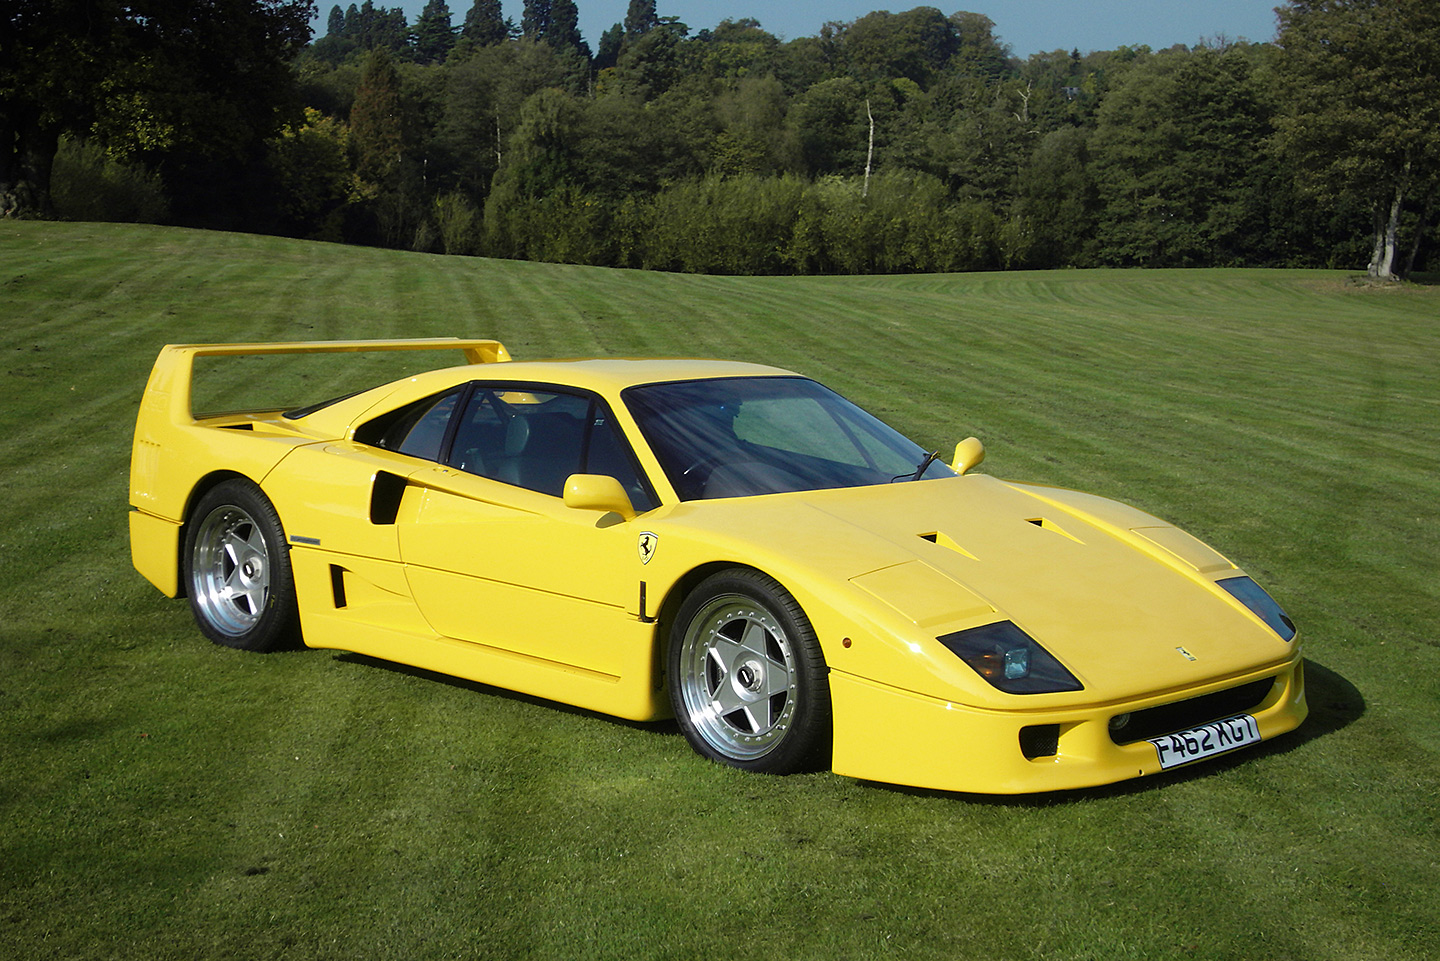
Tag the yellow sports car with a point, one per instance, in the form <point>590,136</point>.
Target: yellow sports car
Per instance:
<point>734,545</point>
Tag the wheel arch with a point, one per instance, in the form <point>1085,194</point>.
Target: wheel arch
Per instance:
<point>817,606</point>
<point>813,751</point>
<point>201,487</point>
<point>675,597</point>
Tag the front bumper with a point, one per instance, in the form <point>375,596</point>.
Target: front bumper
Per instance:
<point>886,734</point>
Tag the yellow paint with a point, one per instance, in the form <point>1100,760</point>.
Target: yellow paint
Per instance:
<point>424,564</point>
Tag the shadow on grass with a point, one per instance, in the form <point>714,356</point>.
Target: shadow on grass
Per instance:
<point>1419,278</point>
<point>1334,704</point>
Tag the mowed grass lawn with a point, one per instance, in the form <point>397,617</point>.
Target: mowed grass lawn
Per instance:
<point>161,797</point>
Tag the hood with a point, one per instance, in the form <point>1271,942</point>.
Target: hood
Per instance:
<point>1127,602</point>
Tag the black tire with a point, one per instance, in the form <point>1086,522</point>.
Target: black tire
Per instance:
<point>747,678</point>
<point>237,570</point>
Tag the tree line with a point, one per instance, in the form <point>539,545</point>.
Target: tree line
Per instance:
<point>912,141</point>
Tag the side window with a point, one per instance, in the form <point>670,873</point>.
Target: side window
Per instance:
<point>417,430</point>
<point>608,453</point>
<point>536,439</point>
<point>532,439</point>
<point>480,435</point>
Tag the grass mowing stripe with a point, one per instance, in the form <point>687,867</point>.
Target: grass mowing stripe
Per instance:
<point>1284,415</point>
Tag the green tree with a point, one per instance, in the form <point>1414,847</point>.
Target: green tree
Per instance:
<point>564,30</point>
<point>612,41</point>
<point>376,131</point>
<point>734,49</point>
<point>459,222</point>
<point>52,60</point>
<point>652,63</point>
<point>312,168</point>
<point>738,225</point>
<point>481,103</point>
<point>640,18</point>
<point>831,127</point>
<point>1177,151</point>
<point>978,137</point>
<point>917,44</point>
<point>370,27</point>
<point>621,147</point>
<point>153,80</point>
<point>978,53</point>
<point>754,137</point>
<point>434,33</point>
<point>89,184</point>
<point>535,20</point>
<point>540,168</point>
<point>545,145</point>
<point>1361,118</point>
<point>337,44</point>
<point>1056,201</point>
<point>485,24</point>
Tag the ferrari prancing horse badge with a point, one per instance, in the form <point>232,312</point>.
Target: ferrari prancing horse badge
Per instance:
<point>647,545</point>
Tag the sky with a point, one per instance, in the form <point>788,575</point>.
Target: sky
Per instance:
<point>1028,26</point>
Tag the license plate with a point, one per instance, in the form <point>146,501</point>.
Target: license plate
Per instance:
<point>1208,740</point>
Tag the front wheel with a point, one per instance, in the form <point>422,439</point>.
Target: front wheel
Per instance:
<point>747,678</point>
<point>237,569</point>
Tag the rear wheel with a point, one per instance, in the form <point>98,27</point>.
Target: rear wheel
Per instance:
<point>747,678</point>
<point>237,569</point>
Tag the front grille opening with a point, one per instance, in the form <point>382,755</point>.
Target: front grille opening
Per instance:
<point>1040,740</point>
<point>1182,715</point>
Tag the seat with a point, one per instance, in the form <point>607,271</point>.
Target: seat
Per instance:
<point>541,451</point>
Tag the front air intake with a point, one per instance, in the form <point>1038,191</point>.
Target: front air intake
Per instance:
<point>1183,715</point>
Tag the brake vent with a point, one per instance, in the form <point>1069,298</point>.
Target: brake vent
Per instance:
<point>948,543</point>
<point>1040,740</point>
<point>1046,524</point>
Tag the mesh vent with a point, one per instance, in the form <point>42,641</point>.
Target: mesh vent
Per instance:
<point>1182,715</point>
<point>1040,740</point>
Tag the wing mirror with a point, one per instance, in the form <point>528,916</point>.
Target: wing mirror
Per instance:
<point>968,453</point>
<point>597,492</point>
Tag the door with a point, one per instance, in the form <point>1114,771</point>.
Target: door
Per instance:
<point>492,554</point>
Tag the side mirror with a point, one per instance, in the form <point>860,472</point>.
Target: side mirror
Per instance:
<point>597,492</point>
<point>968,453</point>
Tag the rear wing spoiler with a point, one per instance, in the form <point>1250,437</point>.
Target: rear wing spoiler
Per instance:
<point>171,379</point>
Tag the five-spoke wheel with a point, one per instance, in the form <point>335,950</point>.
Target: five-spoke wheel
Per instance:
<point>747,678</point>
<point>238,569</point>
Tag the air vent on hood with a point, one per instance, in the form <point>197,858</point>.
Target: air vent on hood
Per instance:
<point>948,543</point>
<point>1046,524</point>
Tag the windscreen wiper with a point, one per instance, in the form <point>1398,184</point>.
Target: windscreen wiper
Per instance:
<point>919,472</point>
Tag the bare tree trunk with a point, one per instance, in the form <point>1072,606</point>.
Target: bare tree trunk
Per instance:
<point>870,153</point>
<point>1382,259</point>
<point>1377,246</point>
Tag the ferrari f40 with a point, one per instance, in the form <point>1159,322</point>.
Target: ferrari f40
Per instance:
<point>730,544</point>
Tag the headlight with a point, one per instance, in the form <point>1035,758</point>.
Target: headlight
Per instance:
<point>1011,660</point>
<point>1261,604</point>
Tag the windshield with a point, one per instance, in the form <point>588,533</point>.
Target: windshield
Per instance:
<point>739,436</point>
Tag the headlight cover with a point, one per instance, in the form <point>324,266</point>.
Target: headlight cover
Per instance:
<point>1261,604</point>
<point>1011,660</point>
